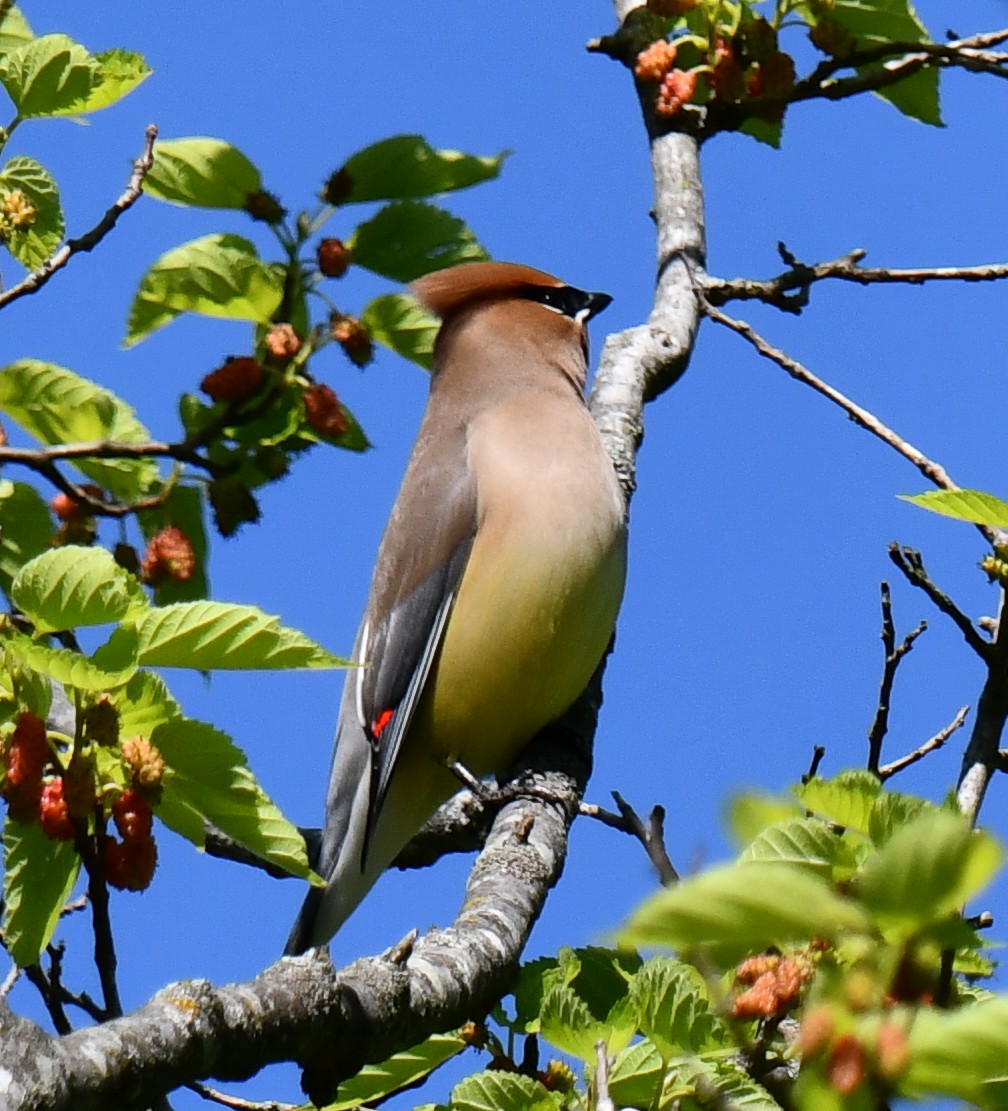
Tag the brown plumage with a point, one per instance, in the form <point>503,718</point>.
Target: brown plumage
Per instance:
<point>497,581</point>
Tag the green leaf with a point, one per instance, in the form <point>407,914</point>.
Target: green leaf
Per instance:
<point>119,73</point>
<point>744,908</point>
<point>724,1084</point>
<point>41,234</point>
<point>48,76</point>
<point>672,1005</point>
<point>751,813</point>
<point>764,131</point>
<point>25,528</point>
<point>205,172</point>
<point>407,239</point>
<point>566,1022</point>
<point>183,509</point>
<point>503,1091</point>
<point>220,635</point>
<point>39,875</point>
<point>959,1053</point>
<point>807,841</point>
<point>207,779</point>
<point>636,1075</point>
<point>112,665</point>
<point>926,870</point>
<point>847,799</point>
<point>144,704</point>
<point>217,275</point>
<point>72,586</point>
<point>892,811</point>
<point>400,323</point>
<point>407,166</point>
<point>375,1082</point>
<point>874,23</point>
<point>14,30</point>
<point>964,505</point>
<point>57,406</point>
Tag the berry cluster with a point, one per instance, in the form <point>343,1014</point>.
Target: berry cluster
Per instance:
<point>676,87</point>
<point>324,412</point>
<point>237,380</point>
<point>66,803</point>
<point>169,555</point>
<point>847,1059</point>
<point>773,984</point>
<point>17,213</point>
<point>353,336</point>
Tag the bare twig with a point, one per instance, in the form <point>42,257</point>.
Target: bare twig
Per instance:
<point>104,945</point>
<point>89,240</point>
<point>893,655</point>
<point>931,470</point>
<point>789,290</point>
<point>912,566</point>
<point>603,1100</point>
<point>10,980</point>
<point>235,1102</point>
<point>651,835</point>
<point>818,752</point>
<point>886,771</point>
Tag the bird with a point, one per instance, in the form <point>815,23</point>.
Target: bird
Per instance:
<point>498,579</point>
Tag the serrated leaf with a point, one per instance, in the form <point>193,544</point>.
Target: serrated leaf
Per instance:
<point>503,1091</point>
<point>216,275</point>
<point>846,799</point>
<point>926,870</point>
<point>964,505</point>
<point>110,666</point>
<point>636,1075</point>
<point>48,76</point>
<point>144,704</point>
<point>892,811</point>
<point>724,1084</point>
<point>72,586</point>
<point>874,23</point>
<point>375,1082</point>
<point>566,1022</point>
<point>39,875</point>
<point>220,635</point>
<point>407,166</point>
<point>959,1053</point>
<point>58,406</point>
<point>183,509</point>
<point>806,841</point>
<point>407,239</point>
<point>534,980</point>
<point>14,30</point>
<point>749,814</point>
<point>672,1005</point>
<point>207,779</point>
<point>119,73</point>
<point>202,171</point>
<point>401,324</point>
<point>744,908</point>
<point>29,182</point>
<point>26,529</point>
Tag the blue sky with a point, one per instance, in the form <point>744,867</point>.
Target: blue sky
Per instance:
<point>759,531</point>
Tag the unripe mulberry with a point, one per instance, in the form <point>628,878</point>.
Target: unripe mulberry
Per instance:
<point>132,815</point>
<point>101,722</point>
<point>676,89</point>
<point>338,188</point>
<point>145,762</point>
<point>324,412</point>
<point>54,814</point>
<point>846,1068</point>
<point>282,342</point>
<point>129,865</point>
<point>169,555</point>
<point>655,61</point>
<point>64,506</point>
<point>238,379</point>
<point>333,257</point>
<point>353,336</point>
<point>264,206</point>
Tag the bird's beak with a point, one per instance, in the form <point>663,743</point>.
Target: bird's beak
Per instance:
<point>594,304</point>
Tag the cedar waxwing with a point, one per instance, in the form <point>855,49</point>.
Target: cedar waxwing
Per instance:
<point>498,578</point>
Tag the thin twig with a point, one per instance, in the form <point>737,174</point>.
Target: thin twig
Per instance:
<point>101,922</point>
<point>89,240</point>
<point>235,1102</point>
<point>818,752</point>
<point>651,835</point>
<point>10,980</point>
<point>789,290</point>
<point>893,655</point>
<point>911,565</point>
<point>603,1100</point>
<point>886,771</point>
<point>931,470</point>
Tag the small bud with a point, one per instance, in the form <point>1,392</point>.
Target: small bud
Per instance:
<point>338,188</point>
<point>145,763</point>
<point>282,342</point>
<point>558,1076</point>
<point>333,257</point>
<point>169,555</point>
<point>236,380</point>
<point>54,814</point>
<point>324,412</point>
<point>265,206</point>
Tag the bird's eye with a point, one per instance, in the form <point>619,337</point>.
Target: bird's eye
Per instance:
<point>567,300</point>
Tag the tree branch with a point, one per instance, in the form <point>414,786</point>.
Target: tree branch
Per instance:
<point>886,771</point>
<point>89,240</point>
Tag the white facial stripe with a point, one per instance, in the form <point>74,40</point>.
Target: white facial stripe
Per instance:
<point>359,691</point>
